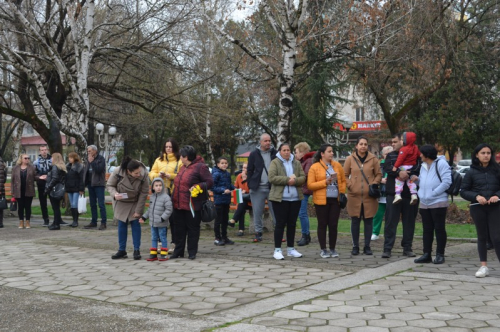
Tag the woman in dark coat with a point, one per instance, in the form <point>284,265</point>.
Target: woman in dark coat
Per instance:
<point>481,186</point>
<point>75,185</point>
<point>193,173</point>
<point>23,188</point>
<point>55,177</point>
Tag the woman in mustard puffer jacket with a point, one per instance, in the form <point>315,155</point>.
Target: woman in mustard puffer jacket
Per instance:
<point>327,181</point>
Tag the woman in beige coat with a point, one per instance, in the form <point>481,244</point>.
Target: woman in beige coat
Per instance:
<point>359,204</point>
<point>129,188</point>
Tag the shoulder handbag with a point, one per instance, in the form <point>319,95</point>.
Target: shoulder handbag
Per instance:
<point>58,191</point>
<point>3,203</point>
<point>208,210</point>
<point>373,189</point>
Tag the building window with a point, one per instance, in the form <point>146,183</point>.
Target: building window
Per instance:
<point>360,114</point>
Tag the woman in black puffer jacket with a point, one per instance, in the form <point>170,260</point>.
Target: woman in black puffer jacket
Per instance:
<point>55,176</point>
<point>75,186</point>
<point>481,186</point>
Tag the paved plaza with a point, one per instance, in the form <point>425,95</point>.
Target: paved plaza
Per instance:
<point>66,281</point>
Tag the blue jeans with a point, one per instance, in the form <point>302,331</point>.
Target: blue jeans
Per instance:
<point>303,216</point>
<point>122,234</point>
<point>96,195</point>
<point>73,199</point>
<point>161,233</point>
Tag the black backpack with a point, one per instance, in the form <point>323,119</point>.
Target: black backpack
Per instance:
<point>456,182</point>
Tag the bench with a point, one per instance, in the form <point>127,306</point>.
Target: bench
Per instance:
<point>8,191</point>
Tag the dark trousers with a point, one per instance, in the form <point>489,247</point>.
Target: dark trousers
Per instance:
<point>172,227</point>
<point>43,200</point>
<point>392,215</point>
<point>486,217</point>
<point>24,207</point>
<point>221,221</point>
<point>186,226</point>
<point>239,214</point>
<point>286,214</point>
<point>96,196</point>
<point>56,207</point>
<point>1,217</point>
<point>434,221</point>
<point>328,217</point>
<point>355,228</point>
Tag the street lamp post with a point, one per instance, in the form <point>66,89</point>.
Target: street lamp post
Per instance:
<point>105,143</point>
<point>341,139</point>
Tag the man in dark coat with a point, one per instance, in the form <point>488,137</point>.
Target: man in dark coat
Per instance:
<point>95,180</point>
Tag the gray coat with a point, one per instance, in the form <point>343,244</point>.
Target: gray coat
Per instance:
<point>160,207</point>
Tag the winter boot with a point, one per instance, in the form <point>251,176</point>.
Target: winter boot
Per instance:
<point>74,214</point>
<point>163,254</point>
<point>21,223</point>
<point>137,255</point>
<point>153,254</point>
<point>302,241</point>
<point>55,226</point>
<point>27,224</point>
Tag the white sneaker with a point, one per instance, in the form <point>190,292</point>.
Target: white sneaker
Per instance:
<point>375,237</point>
<point>278,255</point>
<point>482,272</point>
<point>324,253</point>
<point>397,199</point>
<point>334,253</point>
<point>292,252</point>
<point>414,199</point>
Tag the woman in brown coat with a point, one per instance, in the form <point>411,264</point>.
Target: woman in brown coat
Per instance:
<point>23,188</point>
<point>359,204</point>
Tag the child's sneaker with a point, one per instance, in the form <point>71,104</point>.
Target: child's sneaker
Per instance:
<point>278,255</point>
<point>293,253</point>
<point>414,199</point>
<point>397,199</point>
<point>153,255</point>
<point>219,242</point>
<point>228,241</point>
<point>163,255</point>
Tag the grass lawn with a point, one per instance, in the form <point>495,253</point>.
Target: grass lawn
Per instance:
<point>37,210</point>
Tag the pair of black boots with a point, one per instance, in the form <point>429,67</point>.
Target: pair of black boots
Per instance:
<point>123,254</point>
<point>304,240</point>
<point>427,258</point>
<point>74,214</point>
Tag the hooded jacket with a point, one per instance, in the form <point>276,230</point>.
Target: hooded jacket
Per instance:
<point>222,181</point>
<point>255,169</point>
<point>431,190</point>
<point>408,153</point>
<point>196,173</point>
<point>137,190</point>
<point>357,186</point>
<point>160,206</point>
<point>42,166</point>
<point>279,174</point>
<point>306,162</point>
<point>478,180</point>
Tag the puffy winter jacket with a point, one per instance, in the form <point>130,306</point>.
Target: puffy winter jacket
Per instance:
<point>54,177</point>
<point>316,180</point>
<point>196,173</point>
<point>478,180</point>
<point>74,178</point>
<point>222,181</point>
<point>160,206</point>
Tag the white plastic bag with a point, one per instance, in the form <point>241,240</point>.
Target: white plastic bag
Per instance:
<point>82,204</point>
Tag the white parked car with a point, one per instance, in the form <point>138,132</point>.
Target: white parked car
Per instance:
<point>464,163</point>
<point>462,171</point>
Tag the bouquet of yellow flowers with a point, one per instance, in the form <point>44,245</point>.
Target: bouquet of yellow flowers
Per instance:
<point>196,191</point>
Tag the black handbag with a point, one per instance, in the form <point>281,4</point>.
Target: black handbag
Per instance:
<point>3,203</point>
<point>373,189</point>
<point>208,210</point>
<point>342,201</point>
<point>13,205</point>
<point>58,191</point>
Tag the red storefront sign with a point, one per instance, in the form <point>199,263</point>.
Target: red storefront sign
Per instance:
<point>362,126</point>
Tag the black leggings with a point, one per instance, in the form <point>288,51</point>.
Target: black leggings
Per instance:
<point>56,207</point>
<point>221,221</point>
<point>434,220</point>
<point>24,205</point>
<point>486,217</point>
<point>328,217</point>
<point>286,214</point>
<point>355,228</point>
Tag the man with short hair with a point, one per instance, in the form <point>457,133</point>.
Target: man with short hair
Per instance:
<point>43,164</point>
<point>258,181</point>
<point>95,180</point>
<point>404,208</point>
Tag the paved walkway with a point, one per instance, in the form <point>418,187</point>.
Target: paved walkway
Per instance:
<point>235,288</point>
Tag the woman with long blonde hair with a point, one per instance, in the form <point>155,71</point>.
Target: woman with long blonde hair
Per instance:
<point>23,188</point>
<point>54,187</point>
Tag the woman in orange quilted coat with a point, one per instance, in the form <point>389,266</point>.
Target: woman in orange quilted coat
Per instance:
<point>327,181</point>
